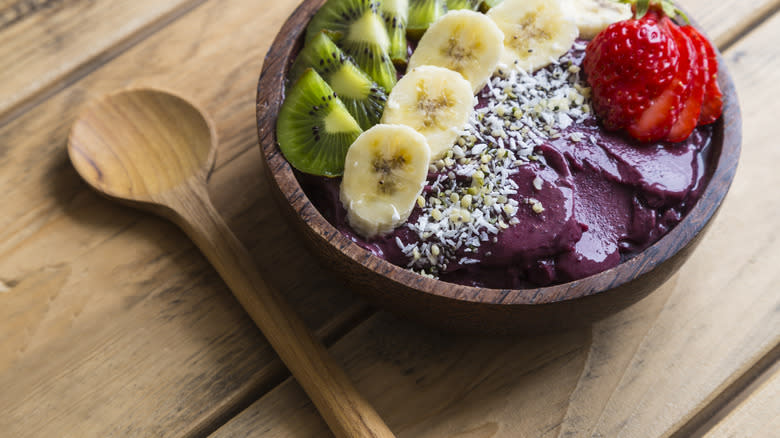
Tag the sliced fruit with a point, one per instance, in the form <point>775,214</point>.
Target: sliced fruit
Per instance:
<point>434,101</point>
<point>423,13</point>
<point>385,172</point>
<point>396,16</point>
<point>657,120</point>
<point>593,16</point>
<point>712,107</point>
<point>355,25</point>
<point>364,99</point>
<point>651,76</point>
<point>465,41</point>
<point>536,32</point>
<point>455,5</point>
<point>694,93</point>
<point>314,128</point>
<point>628,65</point>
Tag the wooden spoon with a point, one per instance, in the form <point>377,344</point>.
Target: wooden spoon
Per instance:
<point>154,150</point>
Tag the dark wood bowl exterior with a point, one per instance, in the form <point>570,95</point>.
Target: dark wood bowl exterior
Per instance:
<point>467,309</point>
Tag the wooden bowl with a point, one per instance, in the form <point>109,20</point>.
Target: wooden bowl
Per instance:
<point>471,309</point>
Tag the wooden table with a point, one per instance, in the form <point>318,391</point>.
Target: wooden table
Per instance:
<point>113,324</point>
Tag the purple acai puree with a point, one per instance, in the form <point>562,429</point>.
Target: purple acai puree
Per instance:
<point>579,200</point>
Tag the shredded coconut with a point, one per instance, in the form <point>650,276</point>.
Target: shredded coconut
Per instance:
<point>471,197</point>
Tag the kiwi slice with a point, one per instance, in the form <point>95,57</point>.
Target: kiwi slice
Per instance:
<point>422,13</point>
<point>488,4</point>
<point>314,128</point>
<point>364,99</point>
<point>396,15</point>
<point>473,5</point>
<point>355,25</point>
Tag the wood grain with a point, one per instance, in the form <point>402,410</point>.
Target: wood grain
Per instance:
<point>153,150</point>
<point>442,385</point>
<point>647,371</point>
<point>726,22</point>
<point>129,275</point>
<point>755,416</point>
<point>128,332</point>
<point>46,45</point>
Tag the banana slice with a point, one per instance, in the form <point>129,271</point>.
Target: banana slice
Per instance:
<point>384,174</point>
<point>593,16</point>
<point>465,41</point>
<point>536,32</point>
<point>434,101</point>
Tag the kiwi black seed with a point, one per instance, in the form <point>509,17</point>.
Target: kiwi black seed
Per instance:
<point>314,128</point>
<point>473,5</point>
<point>423,13</point>
<point>363,97</point>
<point>356,26</point>
<point>488,4</point>
<point>395,13</point>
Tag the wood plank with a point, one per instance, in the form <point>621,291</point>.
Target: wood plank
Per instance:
<point>138,337</point>
<point>648,371</point>
<point>112,323</point>
<point>426,383</point>
<point>47,44</point>
<point>725,22</point>
<point>758,414</point>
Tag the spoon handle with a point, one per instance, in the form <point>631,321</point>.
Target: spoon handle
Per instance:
<point>326,383</point>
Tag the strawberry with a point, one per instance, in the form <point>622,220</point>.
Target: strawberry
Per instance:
<point>694,91</point>
<point>628,64</point>
<point>661,115</point>
<point>651,77</point>
<point>712,107</point>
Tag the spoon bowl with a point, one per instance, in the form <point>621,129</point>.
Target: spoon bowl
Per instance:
<point>154,150</point>
<point>115,143</point>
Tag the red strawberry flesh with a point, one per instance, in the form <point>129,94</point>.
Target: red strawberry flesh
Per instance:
<point>712,107</point>
<point>656,121</point>
<point>628,64</point>
<point>653,78</point>
<point>694,93</point>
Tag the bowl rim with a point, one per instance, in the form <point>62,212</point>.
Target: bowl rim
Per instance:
<point>270,92</point>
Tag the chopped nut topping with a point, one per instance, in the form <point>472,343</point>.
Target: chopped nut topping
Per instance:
<point>472,197</point>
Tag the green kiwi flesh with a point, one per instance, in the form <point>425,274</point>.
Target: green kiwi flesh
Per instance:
<point>355,25</point>
<point>395,13</point>
<point>364,99</point>
<point>473,5</point>
<point>314,128</point>
<point>423,13</point>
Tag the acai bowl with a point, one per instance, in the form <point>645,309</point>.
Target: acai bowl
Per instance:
<point>518,307</point>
